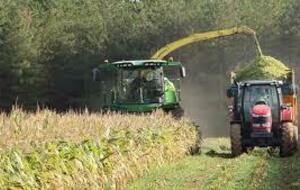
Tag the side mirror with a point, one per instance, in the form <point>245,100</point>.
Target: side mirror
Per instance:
<point>230,93</point>
<point>182,72</point>
<point>289,89</point>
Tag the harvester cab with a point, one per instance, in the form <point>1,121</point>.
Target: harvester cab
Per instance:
<point>141,85</point>
<point>261,116</point>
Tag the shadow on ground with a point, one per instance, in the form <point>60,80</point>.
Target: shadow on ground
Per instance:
<point>213,153</point>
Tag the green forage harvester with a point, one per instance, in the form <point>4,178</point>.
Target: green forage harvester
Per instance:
<point>263,68</point>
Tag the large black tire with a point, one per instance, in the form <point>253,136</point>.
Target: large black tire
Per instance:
<point>195,149</point>
<point>295,142</point>
<point>178,112</point>
<point>287,140</point>
<point>236,140</point>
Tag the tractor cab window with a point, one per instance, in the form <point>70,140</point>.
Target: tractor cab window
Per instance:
<point>172,73</point>
<point>140,85</point>
<point>261,93</point>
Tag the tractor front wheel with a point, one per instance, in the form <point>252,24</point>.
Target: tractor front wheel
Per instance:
<point>236,140</point>
<point>287,140</point>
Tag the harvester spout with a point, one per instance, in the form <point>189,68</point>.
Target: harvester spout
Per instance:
<point>205,36</point>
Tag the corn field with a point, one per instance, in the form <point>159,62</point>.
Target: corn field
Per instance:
<point>47,150</point>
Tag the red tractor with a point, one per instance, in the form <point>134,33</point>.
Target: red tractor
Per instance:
<point>263,114</point>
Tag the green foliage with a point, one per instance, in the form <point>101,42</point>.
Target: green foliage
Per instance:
<point>48,48</point>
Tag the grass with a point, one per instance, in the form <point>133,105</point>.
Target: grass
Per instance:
<point>283,173</point>
<point>215,169</point>
<point>46,150</point>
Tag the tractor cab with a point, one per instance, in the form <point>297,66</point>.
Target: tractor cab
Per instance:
<point>260,107</point>
<point>140,85</point>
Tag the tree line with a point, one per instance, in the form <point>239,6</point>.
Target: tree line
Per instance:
<point>48,47</point>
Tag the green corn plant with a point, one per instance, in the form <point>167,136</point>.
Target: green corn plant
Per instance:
<point>93,151</point>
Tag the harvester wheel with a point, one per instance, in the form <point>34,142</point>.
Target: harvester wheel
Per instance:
<point>295,142</point>
<point>236,140</point>
<point>196,148</point>
<point>178,112</point>
<point>287,140</point>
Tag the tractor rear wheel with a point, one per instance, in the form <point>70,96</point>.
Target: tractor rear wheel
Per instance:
<point>287,140</point>
<point>236,140</point>
<point>295,140</point>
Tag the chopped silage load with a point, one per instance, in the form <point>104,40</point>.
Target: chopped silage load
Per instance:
<point>263,68</point>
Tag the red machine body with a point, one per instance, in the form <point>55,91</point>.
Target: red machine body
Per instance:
<point>261,118</point>
<point>287,114</point>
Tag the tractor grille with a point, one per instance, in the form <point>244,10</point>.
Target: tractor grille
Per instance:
<point>260,120</point>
